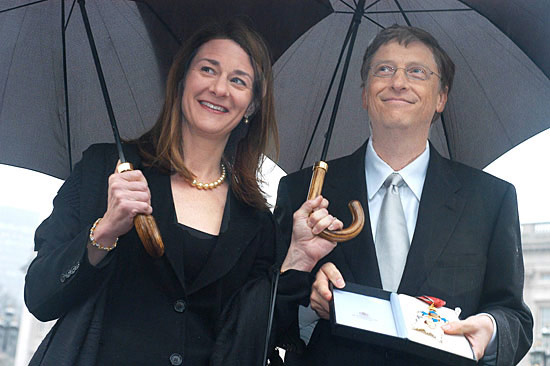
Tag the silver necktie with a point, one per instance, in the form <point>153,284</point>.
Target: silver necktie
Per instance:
<point>392,239</point>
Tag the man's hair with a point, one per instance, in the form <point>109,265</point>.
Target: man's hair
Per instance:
<point>405,35</point>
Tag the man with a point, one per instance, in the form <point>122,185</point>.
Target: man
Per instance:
<point>459,225</point>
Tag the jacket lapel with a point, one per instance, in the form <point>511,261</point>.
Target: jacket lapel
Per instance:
<point>243,227</point>
<point>346,182</point>
<point>440,209</point>
<point>165,215</point>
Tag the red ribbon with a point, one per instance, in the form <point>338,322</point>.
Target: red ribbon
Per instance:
<point>432,300</point>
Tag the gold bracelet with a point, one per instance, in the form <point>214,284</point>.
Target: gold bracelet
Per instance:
<point>95,243</point>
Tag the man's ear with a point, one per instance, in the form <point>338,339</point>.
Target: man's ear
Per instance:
<point>443,94</point>
<point>364,98</point>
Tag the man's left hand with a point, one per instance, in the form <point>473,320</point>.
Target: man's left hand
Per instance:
<point>478,330</point>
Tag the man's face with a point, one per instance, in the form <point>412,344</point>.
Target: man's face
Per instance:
<point>397,102</point>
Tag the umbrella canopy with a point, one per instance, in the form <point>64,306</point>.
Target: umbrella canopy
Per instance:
<point>136,41</point>
<point>500,95</point>
<point>33,128</point>
<point>499,98</point>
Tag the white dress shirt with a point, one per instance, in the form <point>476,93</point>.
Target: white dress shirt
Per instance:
<point>414,174</point>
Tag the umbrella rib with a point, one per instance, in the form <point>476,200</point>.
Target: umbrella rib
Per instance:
<point>70,14</point>
<point>66,86</point>
<point>503,30</point>
<point>329,89</point>
<point>159,18</point>
<point>373,21</point>
<point>10,65</point>
<point>354,27</point>
<point>349,6</point>
<point>451,157</point>
<point>478,82</point>
<point>301,40</point>
<point>364,15</point>
<point>371,5</point>
<point>324,5</point>
<point>520,62</point>
<point>122,68</point>
<point>403,13</point>
<point>101,77</point>
<point>21,6</point>
<point>416,11</point>
<point>131,26</point>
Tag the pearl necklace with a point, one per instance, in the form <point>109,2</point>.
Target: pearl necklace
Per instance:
<point>199,185</point>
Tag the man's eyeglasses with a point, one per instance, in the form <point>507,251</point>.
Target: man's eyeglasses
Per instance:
<point>413,72</point>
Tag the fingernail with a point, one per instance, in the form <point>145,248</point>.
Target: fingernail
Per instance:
<point>340,282</point>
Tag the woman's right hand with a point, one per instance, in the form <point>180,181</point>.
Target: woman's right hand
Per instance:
<point>128,195</point>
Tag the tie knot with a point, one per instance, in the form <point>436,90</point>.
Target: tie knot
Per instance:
<point>393,180</point>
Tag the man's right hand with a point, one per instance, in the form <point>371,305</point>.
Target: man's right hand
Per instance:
<point>320,291</point>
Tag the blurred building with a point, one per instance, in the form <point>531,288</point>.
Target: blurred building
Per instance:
<point>9,327</point>
<point>31,333</point>
<point>536,254</point>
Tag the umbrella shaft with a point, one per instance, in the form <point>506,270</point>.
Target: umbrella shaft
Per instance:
<point>99,70</point>
<point>354,28</point>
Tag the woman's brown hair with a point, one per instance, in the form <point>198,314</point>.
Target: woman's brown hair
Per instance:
<point>161,146</point>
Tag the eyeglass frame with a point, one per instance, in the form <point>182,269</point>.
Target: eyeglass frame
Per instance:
<point>410,78</point>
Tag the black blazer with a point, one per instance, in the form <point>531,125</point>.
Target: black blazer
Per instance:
<point>61,283</point>
<point>466,249</point>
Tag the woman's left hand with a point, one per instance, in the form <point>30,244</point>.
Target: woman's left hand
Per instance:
<point>306,248</point>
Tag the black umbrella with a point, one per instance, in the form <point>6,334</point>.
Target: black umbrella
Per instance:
<point>135,44</point>
<point>499,98</point>
<point>124,17</point>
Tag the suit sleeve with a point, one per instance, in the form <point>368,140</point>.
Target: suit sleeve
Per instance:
<point>61,276</point>
<point>283,215</point>
<point>503,286</point>
<point>294,286</point>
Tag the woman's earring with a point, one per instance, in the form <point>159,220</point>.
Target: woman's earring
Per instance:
<point>245,119</point>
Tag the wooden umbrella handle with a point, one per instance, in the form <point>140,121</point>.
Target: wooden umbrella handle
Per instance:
<point>146,226</point>
<point>358,216</point>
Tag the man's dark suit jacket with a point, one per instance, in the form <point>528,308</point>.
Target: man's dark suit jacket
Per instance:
<point>466,249</point>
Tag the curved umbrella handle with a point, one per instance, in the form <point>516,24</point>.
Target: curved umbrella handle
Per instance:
<point>146,226</point>
<point>358,216</point>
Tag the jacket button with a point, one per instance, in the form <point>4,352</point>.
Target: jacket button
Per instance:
<point>179,306</point>
<point>75,268</point>
<point>176,359</point>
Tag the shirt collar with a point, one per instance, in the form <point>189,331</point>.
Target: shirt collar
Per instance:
<point>376,171</point>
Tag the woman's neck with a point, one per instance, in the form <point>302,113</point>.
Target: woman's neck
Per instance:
<point>202,156</point>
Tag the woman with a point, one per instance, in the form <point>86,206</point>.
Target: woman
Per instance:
<point>196,172</point>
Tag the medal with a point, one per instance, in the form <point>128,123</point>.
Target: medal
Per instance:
<point>429,321</point>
